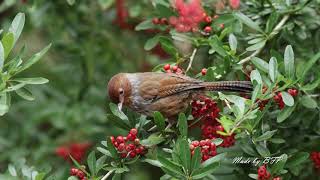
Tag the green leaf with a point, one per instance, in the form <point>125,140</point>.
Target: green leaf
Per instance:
<point>253,176</point>
<point>203,172</point>
<point>1,57</point>
<point>273,69</point>
<point>71,2</point>
<point>152,140</point>
<point>5,102</point>
<point>265,136</point>
<point>73,178</point>
<point>92,163</point>
<point>153,162</point>
<point>278,166</point>
<point>260,64</point>
<point>170,165</point>
<point>118,122</point>
<point>17,26</point>
<point>151,43</point>
<point>35,58</point>
<point>247,21</point>
<point>159,120</point>
<point>112,149</point>
<point>263,151</point>
<point>233,42</point>
<point>196,159</point>
<point>147,24</point>
<point>25,94</point>
<point>311,85</point>
<point>8,43</point>
<point>289,62</point>
<point>115,111</point>
<point>168,46</point>
<point>297,159</point>
<point>226,123</point>
<point>308,102</point>
<point>257,46</point>
<point>284,114</point>
<point>38,80</point>
<point>40,176</point>
<point>217,46</point>
<point>287,98</point>
<point>105,4</point>
<point>183,124</point>
<point>12,170</point>
<point>272,20</point>
<point>256,92</point>
<point>308,65</point>
<point>214,159</point>
<point>255,76</point>
<point>185,154</point>
<point>104,151</point>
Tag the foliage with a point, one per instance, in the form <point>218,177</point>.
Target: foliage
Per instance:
<point>274,44</point>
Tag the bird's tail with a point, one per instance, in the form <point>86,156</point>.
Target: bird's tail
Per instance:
<point>233,86</point>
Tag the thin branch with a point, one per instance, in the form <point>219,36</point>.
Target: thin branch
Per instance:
<point>107,175</point>
<point>191,59</point>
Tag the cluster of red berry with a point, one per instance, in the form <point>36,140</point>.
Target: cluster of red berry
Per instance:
<point>173,69</point>
<point>208,148</point>
<point>208,111</point>
<point>129,146</point>
<point>78,173</point>
<point>263,174</point>
<point>76,150</point>
<point>278,97</point>
<point>160,21</point>
<point>315,157</point>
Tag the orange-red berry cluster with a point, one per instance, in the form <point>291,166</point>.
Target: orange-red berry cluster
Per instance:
<point>208,111</point>
<point>315,157</point>
<point>208,148</point>
<point>174,69</point>
<point>78,173</point>
<point>263,174</point>
<point>129,146</point>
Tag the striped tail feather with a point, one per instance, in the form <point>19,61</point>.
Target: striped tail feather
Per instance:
<point>231,86</point>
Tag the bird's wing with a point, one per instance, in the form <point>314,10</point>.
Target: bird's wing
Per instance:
<point>159,85</point>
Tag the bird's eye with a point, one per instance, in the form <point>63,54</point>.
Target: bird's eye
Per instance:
<point>121,91</point>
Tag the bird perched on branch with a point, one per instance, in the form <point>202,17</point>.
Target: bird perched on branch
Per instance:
<point>167,93</point>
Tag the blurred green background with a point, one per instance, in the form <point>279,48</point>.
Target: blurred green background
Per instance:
<point>91,42</point>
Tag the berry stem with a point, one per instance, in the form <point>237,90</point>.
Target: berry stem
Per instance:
<point>107,175</point>
<point>191,59</point>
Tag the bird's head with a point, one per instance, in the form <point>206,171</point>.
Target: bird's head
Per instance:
<point>119,89</point>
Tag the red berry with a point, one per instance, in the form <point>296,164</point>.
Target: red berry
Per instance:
<point>293,92</point>
<point>163,21</point>
<point>174,68</point>
<point>121,147</point>
<point>203,143</point>
<point>112,139</point>
<point>80,174</point>
<point>132,154</point>
<point>191,147</point>
<point>221,26</point>
<point>123,155</point>
<point>166,67</point>
<point>204,71</point>
<point>208,19</point>
<point>215,16</point>
<point>138,150</point>
<point>205,157</point>
<point>195,143</point>
<point>73,171</point>
<point>131,137</point>
<point>155,21</point>
<point>207,29</point>
<point>134,131</point>
<point>120,139</point>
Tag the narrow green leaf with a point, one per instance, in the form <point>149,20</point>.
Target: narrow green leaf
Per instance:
<point>151,43</point>
<point>118,122</point>
<point>253,176</point>
<point>170,165</point>
<point>289,62</point>
<point>256,92</point>
<point>92,163</point>
<point>105,4</point>
<point>278,166</point>
<point>115,111</point>
<point>284,114</point>
<point>8,43</point>
<point>159,120</point>
<point>152,140</point>
<point>112,149</point>
<point>247,21</point>
<point>260,64</point>
<point>256,46</point>
<point>147,24</point>
<point>40,176</point>
<point>203,172</point>
<point>25,94</point>
<point>308,65</point>
<point>196,159</point>
<point>287,98</point>
<point>183,124</point>
<point>17,26</point>
<point>38,80</point>
<point>185,154</point>
<point>12,170</point>
<point>272,20</point>
<point>308,102</point>
<point>263,151</point>
<point>273,69</point>
<point>255,76</point>
<point>233,42</point>
<point>1,57</point>
<point>265,136</point>
<point>217,46</point>
<point>35,58</point>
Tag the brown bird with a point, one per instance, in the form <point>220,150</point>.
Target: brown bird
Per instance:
<point>167,93</point>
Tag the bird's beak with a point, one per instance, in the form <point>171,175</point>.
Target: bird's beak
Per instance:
<point>121,100</point>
